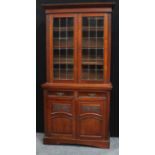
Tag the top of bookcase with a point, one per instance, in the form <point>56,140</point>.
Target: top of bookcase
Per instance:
<point>78,5</point>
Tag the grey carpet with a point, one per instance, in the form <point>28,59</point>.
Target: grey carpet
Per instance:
<point>75,149</point>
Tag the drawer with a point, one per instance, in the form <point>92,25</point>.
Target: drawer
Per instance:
<point>101,95</point>
<point>60,94</point>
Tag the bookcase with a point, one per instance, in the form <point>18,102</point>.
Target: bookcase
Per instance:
<point>77,88</point>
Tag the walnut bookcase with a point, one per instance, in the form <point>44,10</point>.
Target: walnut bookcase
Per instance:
<point>77,91</point>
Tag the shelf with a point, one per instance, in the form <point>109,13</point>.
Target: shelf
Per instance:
<point>63,61</point>
<point>56,78</point>
<point>93,48</point>
<point>63,43</point>
<point>92,76</point>
<point>63,38</point>
<point>92,28</point>
<point>62,47</point>
<point>57,48</point>
<point>92,62</point>
<point>93,70</point>
<point>64,70</point>
<point>63,29</point>
<point>63,74</point>
<point>93,43</point>
<point>94,38</point>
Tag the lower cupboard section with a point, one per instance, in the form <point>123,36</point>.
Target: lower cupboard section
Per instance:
<point>79,120</point>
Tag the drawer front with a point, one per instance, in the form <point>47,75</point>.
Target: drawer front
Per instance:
<point>92,95</point>
<point>61,94</point>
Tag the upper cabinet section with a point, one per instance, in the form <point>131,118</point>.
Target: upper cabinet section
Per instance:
<point>78,38</point>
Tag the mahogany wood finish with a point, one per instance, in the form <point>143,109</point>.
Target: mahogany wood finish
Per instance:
<point>76,110</point>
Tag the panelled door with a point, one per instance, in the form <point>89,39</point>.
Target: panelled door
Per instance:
<point>60,114</point>
<point>91,115</point>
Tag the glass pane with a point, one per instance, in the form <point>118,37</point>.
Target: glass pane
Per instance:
<point>92,48</point>
<point>63,51</point>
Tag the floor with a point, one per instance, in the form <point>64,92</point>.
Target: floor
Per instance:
<point>74,149</point>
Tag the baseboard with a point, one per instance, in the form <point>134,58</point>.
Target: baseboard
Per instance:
<point>95,143</point>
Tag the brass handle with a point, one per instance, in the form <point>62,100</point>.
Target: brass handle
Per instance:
<point>91,94</point>
<point>104,97</point>
<point>59,94</point>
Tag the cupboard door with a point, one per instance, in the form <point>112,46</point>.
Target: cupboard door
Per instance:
<point>93,37</point>
<point>61,118</point>
<point>91,124</point>
<point>64,45</point>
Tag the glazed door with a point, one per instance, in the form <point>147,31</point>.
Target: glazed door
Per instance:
<point>93,44</point>
<point>63,48</point>
<point>78,48</point>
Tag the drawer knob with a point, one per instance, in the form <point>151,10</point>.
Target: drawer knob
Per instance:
<point>59,94</point>
<point>91,94</point>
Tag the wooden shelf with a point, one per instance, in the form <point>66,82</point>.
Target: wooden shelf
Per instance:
<point>63,61</point>
<point>62,47</point>
<point>92,62</point>
<point>92,48</point>
<point>92,43</point>
<point>68,48</point>
<point>93,28</point>
<point>63,43</point>
<point>63,74</point>
<point>92,76</point>
<point>94,38</point>
<point>63,29</point>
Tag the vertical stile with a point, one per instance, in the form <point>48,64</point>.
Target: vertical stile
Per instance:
<point>59,49</point>
<point>96,49</point>
<point>88,47</point>
<point>66,48</point>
